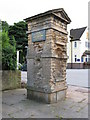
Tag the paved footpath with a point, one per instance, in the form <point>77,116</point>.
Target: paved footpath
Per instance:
<point>16,105</point>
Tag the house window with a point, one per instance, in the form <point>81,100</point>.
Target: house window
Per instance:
<point>78,60</point>
<point>75,58</point>
<point>81,59</point>
<point>86,59</point>
<point>86,44</point>
<point>75,44</point>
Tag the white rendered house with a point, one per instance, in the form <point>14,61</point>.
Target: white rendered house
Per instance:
<point>78,46</point>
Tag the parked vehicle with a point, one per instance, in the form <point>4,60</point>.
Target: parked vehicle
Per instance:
<point>24,67</point>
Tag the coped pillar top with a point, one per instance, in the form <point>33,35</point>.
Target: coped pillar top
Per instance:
<point>55,19</point>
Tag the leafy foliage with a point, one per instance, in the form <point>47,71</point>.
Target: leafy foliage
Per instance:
<point>0,45</point>
<point>8,52</point>
<point>5,26</point>
<point>13,37</point>
<point>18,30</point>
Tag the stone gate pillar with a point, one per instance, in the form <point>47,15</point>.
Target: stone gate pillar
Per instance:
<point>47,56</point>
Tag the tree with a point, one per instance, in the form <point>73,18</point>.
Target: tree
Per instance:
<point>8,52</point>
<point>5,26</point>
<point>0,45</point>
<point>18,30</point>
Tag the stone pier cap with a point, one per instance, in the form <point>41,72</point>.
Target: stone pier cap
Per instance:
<point>58,13</point>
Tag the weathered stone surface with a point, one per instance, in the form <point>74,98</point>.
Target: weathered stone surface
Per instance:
<point>11,79</point>
<point>47,58</point>
<point>39,74</point>
<point>45,97</point>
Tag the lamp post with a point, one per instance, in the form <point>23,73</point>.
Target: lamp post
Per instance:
<point>71,51</point>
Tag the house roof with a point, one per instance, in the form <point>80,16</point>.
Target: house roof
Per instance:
<point>63,15</point>
<point>76,34</point>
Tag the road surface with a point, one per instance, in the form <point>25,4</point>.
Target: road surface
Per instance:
<point>77,77</point>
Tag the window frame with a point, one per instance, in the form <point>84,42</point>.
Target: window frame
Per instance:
<point>75,58</point>
<point>75,44</point>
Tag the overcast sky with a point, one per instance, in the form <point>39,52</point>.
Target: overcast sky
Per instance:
<point>16,10</point>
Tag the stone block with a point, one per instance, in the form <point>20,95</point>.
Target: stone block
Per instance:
<point>46,97</point>
<point>11,79</point>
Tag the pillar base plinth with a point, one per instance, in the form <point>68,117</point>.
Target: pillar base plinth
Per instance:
<point>46,97</point>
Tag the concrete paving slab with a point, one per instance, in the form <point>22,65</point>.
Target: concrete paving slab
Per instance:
<point>16,105</point>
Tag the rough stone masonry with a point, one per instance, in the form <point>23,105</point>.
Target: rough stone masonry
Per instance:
<point>47,56</point>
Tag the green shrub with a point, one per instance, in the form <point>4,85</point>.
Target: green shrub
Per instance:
<point>8,52</point>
